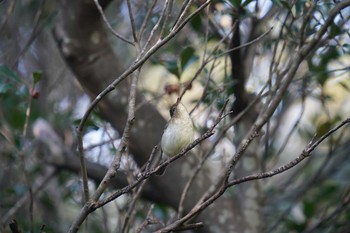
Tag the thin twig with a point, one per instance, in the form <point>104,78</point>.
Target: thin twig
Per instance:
<point>150,160</point>
<point>146,19</point>
<point>102,143</point>
<point>155,28</point>
<point>131,211</point>
<point>116,163</point>
<point>9,11</point>
<point>243,45</point>
<point>294,127</point>
<point>222,185</point>
<point>272,105</point>
<point>190,226</point>
<point>182,13</point>
<point>37,29</point>
<point>204,203</point>
<point>188,185</point>
<point>83,169</point>
<point>23,154</point>
<point>116,34</point>
<point>306,153</point>
<point>167,16</point>
<point>147,221</point>
<point>132,22</point>
<point>138,62</point>
<point>92,206</point>
<point>210,59</point>
<point>147,174</point>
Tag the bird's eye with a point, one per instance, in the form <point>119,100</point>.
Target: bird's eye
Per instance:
<point>172,110</point>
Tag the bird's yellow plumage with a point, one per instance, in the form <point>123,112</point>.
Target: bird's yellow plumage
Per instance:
<point>179,132</point>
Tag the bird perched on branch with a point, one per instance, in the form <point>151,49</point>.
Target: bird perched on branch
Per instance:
<point>179,131</point>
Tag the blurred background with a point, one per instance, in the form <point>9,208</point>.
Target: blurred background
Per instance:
<point>57,56</point>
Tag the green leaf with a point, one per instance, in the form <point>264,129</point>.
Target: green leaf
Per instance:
<point>6,73</point>
<point>331,54</point>
<point>294,226</point>
<point>5,87</point>
<point>334,30</point>
<point>37,76</point>
<point>309,208</point>
<point>8,79</point>
<point>89,124</point>
<point>196,23</point>
<point>172,67</point>
<point>16,116</point>
<point>236,3</point>
<point>322,78</point>
<point>323,128</point>
<point>187,57</point>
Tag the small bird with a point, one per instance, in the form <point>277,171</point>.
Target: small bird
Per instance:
<point>179,131</point>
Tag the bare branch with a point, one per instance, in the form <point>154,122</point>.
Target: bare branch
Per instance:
<point>182,13</point>
<point>306,153</point>
<point>295,63</point>
<point>131,212</point>
<point>139,61</point>
<point>132,22</point>
<point>146,19</point>
<point>116,34</point>
<point>146,174</point>
<point>149,220</point>
<point>155,28</point>
<point>204,203</point>
<point>116,163</point>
